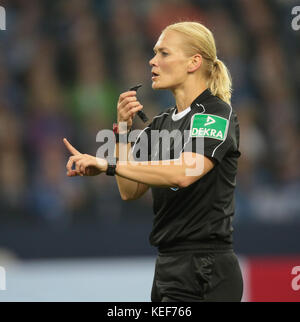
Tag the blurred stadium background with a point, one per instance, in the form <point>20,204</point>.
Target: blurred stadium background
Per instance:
<point>63,65</point>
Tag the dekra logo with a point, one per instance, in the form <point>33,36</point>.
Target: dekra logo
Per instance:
<point>209,126</point>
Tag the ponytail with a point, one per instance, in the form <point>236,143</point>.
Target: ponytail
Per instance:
<point>220,82</point>
<point>201,40</point>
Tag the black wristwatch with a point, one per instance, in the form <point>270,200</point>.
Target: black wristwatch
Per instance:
<point>111,168</point>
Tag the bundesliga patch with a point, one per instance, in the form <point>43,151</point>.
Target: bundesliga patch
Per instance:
<point>208,126</point>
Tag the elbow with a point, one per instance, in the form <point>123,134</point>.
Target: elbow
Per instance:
<point>125,197</point>
<point>183,182</point>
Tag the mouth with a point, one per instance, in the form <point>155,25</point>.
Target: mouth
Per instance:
<point>154,75</point>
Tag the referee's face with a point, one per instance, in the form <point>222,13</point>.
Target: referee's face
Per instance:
<point>169,64</point>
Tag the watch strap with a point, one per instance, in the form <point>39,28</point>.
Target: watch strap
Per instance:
<point>111,168</point>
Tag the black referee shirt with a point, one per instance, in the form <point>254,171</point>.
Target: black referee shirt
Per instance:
<point>200,215</point>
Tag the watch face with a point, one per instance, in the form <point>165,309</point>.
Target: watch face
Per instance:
<point>111,169</point>
<point>115,128</point>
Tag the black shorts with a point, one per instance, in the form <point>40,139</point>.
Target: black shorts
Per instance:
<point>197,276</point>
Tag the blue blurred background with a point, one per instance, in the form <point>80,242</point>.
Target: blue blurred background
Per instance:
<point>63,65</point>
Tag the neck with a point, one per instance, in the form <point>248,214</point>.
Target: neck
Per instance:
<point>187,93</point>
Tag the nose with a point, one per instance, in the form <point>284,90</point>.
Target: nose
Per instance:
<point>152,61</point>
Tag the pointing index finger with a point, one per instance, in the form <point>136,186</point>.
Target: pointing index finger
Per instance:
<point>70,147</point>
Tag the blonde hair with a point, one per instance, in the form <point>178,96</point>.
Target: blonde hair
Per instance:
<point>201,40</point>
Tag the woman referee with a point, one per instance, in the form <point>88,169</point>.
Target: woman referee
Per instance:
<point>193,213</point>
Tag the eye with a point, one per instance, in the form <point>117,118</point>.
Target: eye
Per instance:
<point>164,53</point>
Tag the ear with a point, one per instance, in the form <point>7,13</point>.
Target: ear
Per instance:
<point>195,63</point>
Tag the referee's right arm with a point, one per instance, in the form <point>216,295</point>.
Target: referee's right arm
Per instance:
<point>129,190</point>
<point>127,107</point>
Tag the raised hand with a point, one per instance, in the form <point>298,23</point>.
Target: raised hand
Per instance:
<point>85,164</point>
<point>128,105</point>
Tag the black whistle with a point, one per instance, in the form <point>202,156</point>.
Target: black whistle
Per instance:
<point>141,114</point>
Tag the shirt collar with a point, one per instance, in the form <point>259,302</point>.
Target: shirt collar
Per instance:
<point>201,98</point>
<point>195,104</point>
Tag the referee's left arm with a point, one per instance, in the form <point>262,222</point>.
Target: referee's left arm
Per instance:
<point>167,173</point>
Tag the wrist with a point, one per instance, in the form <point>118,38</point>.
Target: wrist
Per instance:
<point>121,132</point>
<point>102,164</point>
<point>111,168</point>
<point>121,128</point>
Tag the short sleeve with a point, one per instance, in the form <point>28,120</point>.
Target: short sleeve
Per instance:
<point>141,148</point>
<point>213,135</point>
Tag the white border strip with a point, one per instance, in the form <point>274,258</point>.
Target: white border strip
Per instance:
<point>225,134</point>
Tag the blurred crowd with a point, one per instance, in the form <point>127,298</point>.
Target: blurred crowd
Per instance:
<point>63,65</point>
